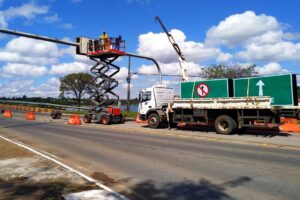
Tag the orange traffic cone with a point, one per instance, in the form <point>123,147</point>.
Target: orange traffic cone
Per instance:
<point>74,119</point>
<point>30,115</point>
<point>7,114</point>
<point>290,125</point>
<point>289,120</point>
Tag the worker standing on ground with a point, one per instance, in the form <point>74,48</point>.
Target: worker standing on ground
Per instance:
<point>103,40</point>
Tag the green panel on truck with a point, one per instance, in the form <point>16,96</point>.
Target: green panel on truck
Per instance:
<point>218,88</point>
<point>281,88</point>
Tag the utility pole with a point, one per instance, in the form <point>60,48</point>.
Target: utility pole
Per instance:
<point>128,84</point>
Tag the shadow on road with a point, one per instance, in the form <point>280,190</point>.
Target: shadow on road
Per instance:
<point>252,132</point>
<point>22,188</point>
<point>186,190</point>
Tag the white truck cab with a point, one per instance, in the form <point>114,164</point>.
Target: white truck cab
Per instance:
<point>150,99</point>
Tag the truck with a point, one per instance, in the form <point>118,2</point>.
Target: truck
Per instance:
<point>243,106</point>
<point>159,107</point>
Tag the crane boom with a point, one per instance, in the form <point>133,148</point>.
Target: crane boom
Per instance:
<point>181,58</point>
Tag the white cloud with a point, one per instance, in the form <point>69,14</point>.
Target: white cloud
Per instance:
<point>281,51</point>
<point>271,68</point>
<point>15,69</point>
<point>3,22</point>
<point>18,88</point>
<point>36,52</point>
<point>15,88</point>
<point>52,18</point>
<point>238,28</point>
<point>171,69</point>
<point>28,10</point>
<point>157,45</point>
<point>53,81</point>
<point>27,46</point>
<point>29,51</point>
<point>142,2</point>
<point>44,90</point>
<point>68,26</point>
<point>18,58</point>
<point>223,57</point>
<point>261,37</point>
<point>122,75</point>
<point>68,68</point>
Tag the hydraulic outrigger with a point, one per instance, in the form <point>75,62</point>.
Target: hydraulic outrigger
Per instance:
<point>103,71</point>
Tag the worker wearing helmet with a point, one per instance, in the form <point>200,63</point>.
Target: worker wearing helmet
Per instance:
<point>103,40</point>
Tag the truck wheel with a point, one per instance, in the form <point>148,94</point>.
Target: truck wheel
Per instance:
<point>298,115</point>
<point>154,120</point>
<point>225,125</point>
<point>87,119</point>
<point>105,119</point>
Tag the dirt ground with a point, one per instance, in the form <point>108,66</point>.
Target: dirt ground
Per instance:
<point>24,175</point>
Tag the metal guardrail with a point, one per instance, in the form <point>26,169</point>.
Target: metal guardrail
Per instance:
<point>50,105</point>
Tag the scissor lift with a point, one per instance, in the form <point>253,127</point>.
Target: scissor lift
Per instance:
<point>104,54</point>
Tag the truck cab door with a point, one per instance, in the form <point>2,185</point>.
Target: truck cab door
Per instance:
<point>146,102</point>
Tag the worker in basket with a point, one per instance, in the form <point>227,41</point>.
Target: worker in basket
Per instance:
<point>118,42</point>
<point>103,41</point>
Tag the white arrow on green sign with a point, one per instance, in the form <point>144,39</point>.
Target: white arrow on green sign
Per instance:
<point>279,87</point>
<point>260,85</point>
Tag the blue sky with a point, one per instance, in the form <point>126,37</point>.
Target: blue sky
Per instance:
<point>262,32</point>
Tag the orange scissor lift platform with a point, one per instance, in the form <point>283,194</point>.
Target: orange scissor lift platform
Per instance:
<point>104,54</point>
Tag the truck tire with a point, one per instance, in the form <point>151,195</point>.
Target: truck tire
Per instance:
<point>298,115</point>
<point>87,119</point>
<point>225,125</point>
<point>154,120</point>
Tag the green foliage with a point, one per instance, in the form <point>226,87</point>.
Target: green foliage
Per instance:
<point>77,84</point>
<point>130,114</point>
<point>229,71</point>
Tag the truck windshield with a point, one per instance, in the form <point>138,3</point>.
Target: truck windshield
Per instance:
<point>145,96</point>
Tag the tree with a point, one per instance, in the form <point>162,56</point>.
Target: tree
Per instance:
<point>77,84</point>
<point>229,71</point>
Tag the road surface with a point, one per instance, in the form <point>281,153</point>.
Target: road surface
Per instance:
<point>157,166</point>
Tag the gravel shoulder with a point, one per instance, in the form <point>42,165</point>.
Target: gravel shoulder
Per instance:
<point>24,175</point>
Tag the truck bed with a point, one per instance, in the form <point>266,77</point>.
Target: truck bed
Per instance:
<point>228,103</point>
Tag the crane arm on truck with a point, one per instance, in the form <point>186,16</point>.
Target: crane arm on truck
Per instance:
<point>181,58</point>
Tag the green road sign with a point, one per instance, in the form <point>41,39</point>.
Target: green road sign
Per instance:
<point>205,89</point>
<point>280,88</point>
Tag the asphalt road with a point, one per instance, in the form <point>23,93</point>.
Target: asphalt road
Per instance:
<point>158,166</point>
